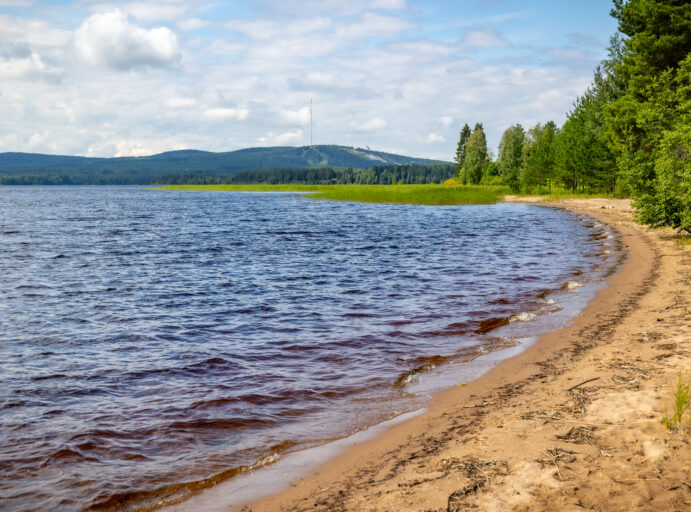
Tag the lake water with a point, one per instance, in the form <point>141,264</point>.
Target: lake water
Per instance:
<point>155,343</point>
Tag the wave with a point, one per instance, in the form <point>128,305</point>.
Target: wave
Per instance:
<point>523,317</point>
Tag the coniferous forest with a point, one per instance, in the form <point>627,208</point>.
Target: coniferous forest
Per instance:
<point>627,135</point>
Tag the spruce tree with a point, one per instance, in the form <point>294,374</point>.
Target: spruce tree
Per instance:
<point>538,157</point>
<point>510,158</point>
<point>476,156</point>
<point>460,149</point>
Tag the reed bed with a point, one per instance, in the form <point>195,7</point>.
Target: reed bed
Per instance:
<point>397,194</point>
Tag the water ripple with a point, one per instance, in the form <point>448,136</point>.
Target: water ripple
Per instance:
<point>156,338</point>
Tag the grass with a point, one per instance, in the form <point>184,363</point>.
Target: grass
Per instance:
<point>683,240</point>
<point>400,194</point>
<point>681,405</point>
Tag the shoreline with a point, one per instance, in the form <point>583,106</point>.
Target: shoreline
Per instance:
<point>415,465</point>
<point>273,474</point>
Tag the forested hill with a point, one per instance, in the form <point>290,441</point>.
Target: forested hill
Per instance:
<point>28,169</point>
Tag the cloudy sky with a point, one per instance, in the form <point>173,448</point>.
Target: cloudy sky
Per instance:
<point>100,78</point>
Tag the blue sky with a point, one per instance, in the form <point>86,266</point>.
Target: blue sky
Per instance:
<point>101,78</point>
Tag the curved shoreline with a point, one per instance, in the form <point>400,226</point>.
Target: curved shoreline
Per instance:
<point>458,411</point>
<point>404,468</point>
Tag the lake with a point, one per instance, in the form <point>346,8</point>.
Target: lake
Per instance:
<point>154,343</point>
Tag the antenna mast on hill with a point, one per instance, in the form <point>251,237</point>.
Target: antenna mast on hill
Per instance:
<point>310,121</point>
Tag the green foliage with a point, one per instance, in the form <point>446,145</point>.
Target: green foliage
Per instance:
<point>583,156</point>
<point>459,159</point>
<point>668,200</point>
<point>538,161</point>
<point>681,405</point>
<point>476,157</point>
<point>648,126</point>
<point>659,36</point>
<point>510,158</point>
<point>382,175</point>
<point>404,194</point>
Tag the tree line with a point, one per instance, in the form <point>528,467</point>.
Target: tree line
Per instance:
<point>627,135</point>
<point>379,175</point>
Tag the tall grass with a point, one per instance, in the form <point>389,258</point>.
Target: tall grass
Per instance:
<point>410,194</point>
<point>401,194</point>
<point>681,405</point>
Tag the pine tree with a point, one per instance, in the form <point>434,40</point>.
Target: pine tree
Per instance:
<point>461,148</point>
<point>648,126</point>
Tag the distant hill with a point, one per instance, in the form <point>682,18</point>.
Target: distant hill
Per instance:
<point>28,168</point>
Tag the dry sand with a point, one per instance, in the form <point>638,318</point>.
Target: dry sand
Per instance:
<point>573,423</point>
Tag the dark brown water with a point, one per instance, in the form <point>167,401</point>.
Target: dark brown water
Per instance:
<point>156,343</point>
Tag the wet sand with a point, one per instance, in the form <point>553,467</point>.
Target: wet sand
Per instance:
<point>572,423</point>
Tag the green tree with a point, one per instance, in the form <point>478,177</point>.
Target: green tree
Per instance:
<point>510,158</point>
<point>459,159</point>
<point>661,180</point>
<point>647,125</point>
<point>584,158</point>
<point>538,168</point>
<point>591,165</point>
<point>476,156</point>
<point>567,152</point>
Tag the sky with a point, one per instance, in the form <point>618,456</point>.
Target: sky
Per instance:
<point>101,78</point>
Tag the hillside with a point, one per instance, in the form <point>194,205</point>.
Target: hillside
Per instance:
<point>28,168</point>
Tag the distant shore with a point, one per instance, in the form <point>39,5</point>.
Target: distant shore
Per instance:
<point>573,420</point>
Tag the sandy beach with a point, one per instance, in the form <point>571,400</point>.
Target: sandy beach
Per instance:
<point>572,423</point>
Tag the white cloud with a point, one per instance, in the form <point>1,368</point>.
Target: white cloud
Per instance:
<point>181,103</point>
<point>296,117</point>
<point>373,25</point>
<point>433,137</point>
<point>388,4</point>
<point>27,68</point>
<point>333,7</point>
<point>446,121</point>
<point>226,114</point>
<point>193,24</point>
<point>130,148</point>
<point>31,31</point>
<point>110,40</point>
<point>374,124</point>
<point>282,139</point>
<point>270,30</point>
<point>289,137</point>
<point>156,11</point>
<point>485,38</point>
<point>431,48</point>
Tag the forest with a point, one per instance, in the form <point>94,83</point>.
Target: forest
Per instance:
<point>408,174</point>
<point>628,135</point>
<point>310,164</point>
